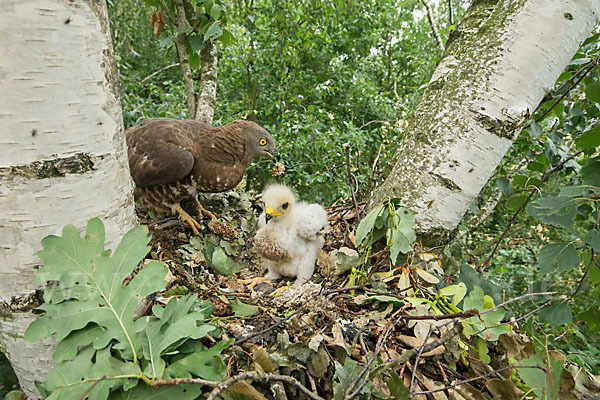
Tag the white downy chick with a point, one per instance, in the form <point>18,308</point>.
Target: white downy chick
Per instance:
<point>289,235</point>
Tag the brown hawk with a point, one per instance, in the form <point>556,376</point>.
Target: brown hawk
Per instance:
<point>173,159</point>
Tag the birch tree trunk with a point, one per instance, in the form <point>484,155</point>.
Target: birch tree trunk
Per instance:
<point>498,65</point>
<point>207,94</point>
<point>63,152</point>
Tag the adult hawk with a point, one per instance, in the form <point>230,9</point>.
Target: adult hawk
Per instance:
<point>173,159</point>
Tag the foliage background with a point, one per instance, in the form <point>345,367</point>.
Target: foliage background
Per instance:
<point>322,75</point>
<point>317,74</point>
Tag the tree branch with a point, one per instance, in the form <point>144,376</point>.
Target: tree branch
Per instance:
<point>533,190</point>
<point>184,60</point>
<point>254,376</point>
<point>434,29</point>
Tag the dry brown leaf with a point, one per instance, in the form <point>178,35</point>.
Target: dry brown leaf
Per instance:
<point>431,385</point>
<point>503,389</point>
<point>277,169</point>
<point>245,389</point>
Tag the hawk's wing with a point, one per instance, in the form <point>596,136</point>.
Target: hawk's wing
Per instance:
<point>157,152</point>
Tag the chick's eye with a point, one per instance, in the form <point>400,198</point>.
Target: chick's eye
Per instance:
<point>262,141</point>
<point>284,205</point>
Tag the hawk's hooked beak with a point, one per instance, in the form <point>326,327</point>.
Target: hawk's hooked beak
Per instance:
<point>270,213</point>
<point>274,154</point>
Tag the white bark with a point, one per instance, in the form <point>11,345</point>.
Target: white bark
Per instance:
<point>207,93</point>
<point>496,69</point>
<point>63,152</point>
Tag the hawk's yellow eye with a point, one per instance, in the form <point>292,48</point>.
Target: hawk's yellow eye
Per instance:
<point>262,141</point>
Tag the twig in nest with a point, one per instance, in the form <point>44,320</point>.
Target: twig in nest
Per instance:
<point>414,370</point>
<point>455,384</point>
<point>353,182</point>
<point>270,328</point>
<point>256,377</point>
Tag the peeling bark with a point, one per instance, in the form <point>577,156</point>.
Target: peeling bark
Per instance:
<point>498,65</point>
<point>63,152</point>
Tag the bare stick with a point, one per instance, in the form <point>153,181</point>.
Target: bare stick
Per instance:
<point>376,159</point>
<point>353,182</point>
<point>414,370</point>
<point>184,381</point>
<point>158,72</point>
<point>455,384</point>
<point>592,64</point>
<point>254,376</point>
<point>270,328</point>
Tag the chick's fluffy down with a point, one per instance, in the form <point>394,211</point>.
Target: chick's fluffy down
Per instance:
<point>288,243</point>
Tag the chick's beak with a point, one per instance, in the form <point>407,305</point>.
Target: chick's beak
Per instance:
<point>270,213</point>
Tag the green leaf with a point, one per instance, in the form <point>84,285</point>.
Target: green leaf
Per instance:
<point>535,130</point>
<point>397,387</point>
<point>83,377</point>
<point>457,292</point>
<point>367,224</point>
<point>214,31</point>
<point>166,41</point>
<point>404,232</point>
<point>590,172</point>
<point>145,392</point>
<point>195,42</point>
<point>243,309</point>
<point>385,299</point>
<point>516,201</point>
<point>227,37</point>
<point>592,92</point>
<point>482,350</point>
<point>593,239</point>
<point>67,348</point>
<point>106,301</point>
<point>344,376</point>
<point>589,139</point>
<point>534,378</point>
<point>175,322</point>
<point>476,299</point>
<point>537,379</point>
<point>554,209</point>
<point>592,318</point>
<point>221,263</point>
<point>504,185</point>
<point>204,364</point>
<point>215,11</point>
<point>560,255</point>
<point>557,313</point>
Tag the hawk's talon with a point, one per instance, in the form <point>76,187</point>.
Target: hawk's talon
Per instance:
<point>190,221</point>
<point>278,291</point>
<point>252,282</point>
<point>202,211</point>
